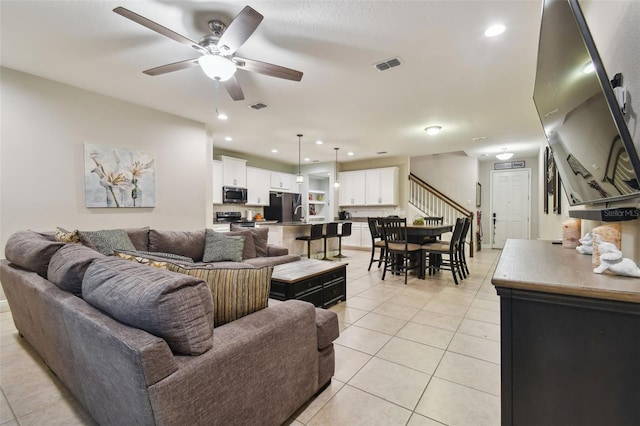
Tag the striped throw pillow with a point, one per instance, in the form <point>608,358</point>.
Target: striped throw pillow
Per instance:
<point>236,292</point>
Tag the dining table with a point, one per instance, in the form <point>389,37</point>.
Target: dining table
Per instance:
<point>417,234</point>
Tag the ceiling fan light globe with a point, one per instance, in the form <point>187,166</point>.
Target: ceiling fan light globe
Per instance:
<point>217,67</point>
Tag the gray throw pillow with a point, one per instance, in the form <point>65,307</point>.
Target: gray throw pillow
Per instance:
<point>219,247</point>
<point>260,238</point>
<point>107,240</point>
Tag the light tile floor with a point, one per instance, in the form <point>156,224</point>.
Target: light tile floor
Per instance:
<point>425,353</point>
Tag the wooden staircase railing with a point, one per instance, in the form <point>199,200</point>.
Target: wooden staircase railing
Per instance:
<point>432,202</point>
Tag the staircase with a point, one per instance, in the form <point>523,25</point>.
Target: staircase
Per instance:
<point>432,202</point>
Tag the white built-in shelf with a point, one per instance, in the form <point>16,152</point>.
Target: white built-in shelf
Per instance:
<point>315,191</point>
<point>316,202</point>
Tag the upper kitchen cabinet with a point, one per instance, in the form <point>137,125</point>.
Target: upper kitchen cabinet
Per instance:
<point>352,188</point>
<point>382,186</point>
<point>283,182</point>
<point>216,171</point>
<point>234,172</point>
<point>258,181</point>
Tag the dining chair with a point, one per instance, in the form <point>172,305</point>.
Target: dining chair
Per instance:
<point>377,242</point>
<point>345,231</point>
<point>444,254</point>
<point>400,255</point>
<point>434,220</point>
<point>462,258</point>
<point>315,234</point>
<point>331,231</point>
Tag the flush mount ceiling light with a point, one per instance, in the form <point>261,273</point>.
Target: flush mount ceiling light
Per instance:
<point>221,115</point>
<point>350,153</point>
<point>228,139</point>
<point>299,178</point>
<point>217,67</point>
<point>494,30</point>
<point>588,68</point>
<point>336,183</point>
<point>433,130</point>
<point>319,142</point>
<point>504,155</point>
<point>275,151</point>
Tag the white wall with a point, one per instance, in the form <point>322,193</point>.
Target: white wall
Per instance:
<point>44,125</point>
<point>453,175</point>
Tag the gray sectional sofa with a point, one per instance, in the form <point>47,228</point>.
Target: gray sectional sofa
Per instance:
<point>138,345</point>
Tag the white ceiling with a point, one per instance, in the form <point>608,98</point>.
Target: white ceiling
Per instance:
<point>452,76</point>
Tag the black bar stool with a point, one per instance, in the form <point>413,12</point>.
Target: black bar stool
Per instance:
<point>330,232</point>
<point>316,234</point>
<point>344,232</point>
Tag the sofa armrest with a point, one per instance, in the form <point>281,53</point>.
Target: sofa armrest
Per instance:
<point>273,250</point>
<point>327,327</point>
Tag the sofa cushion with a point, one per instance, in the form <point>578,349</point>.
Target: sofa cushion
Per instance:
<point>184,243</point>
<point>219,247</point>
<point>68,266</point>
<point>139,237</point>
<point>176,307</point>
<point>249,251</point>
<point>236,292</point>
<point>142,259</point>
<point>259,262</point>
<point>327,327</point>
<point>260,237</point>
<point>107,240</point>
<point>31,250</point>
<point>64,236</point>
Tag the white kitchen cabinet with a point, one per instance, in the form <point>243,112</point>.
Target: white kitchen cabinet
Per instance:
<point>258,186</point>
<point>381,186</point>
<point>216,172</point>
<point>352,188</point>
<point>281,181</point>
<point>234,172</point>
<point>355,239</point>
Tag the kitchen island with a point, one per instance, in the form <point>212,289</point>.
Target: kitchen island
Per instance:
<point>284,234</point>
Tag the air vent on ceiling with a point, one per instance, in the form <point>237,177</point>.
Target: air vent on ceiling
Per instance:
<point>389,63</point>
<point>259,105</point>
<point>381,152</point>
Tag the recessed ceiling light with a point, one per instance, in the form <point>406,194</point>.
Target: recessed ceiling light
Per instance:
<point>494,30</point>
<point>221,115</point>
<point>350,153</point>
<point>319,142</point>
<point>307,159</point>
<point>228,139</point>
<point>479,138</point>
<point>274,151</point>
<point>504,155</point>
<point>433,130</point>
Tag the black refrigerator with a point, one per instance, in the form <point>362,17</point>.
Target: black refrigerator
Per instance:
<point>282,206</point>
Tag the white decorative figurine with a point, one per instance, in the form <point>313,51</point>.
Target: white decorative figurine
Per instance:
<point>611,259</point>
<point>586,242</point>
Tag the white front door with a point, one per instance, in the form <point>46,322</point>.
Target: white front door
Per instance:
<point>510,205</point>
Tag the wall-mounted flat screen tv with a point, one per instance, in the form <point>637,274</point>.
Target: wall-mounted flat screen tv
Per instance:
<point>592,148</point>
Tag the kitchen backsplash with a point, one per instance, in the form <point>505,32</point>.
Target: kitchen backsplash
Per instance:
<point>236,208</point>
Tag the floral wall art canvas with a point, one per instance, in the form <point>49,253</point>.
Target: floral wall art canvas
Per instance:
<point>118,177</point>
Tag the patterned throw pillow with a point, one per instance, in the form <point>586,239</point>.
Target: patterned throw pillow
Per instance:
<point>219,247</point>
<point>106,241</point>
<point>170,256</point>
<point>236,292</point>
<point>64,236</point>
<point>140,259</point>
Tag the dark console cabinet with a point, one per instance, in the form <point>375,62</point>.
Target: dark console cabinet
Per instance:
<point>570,339</point>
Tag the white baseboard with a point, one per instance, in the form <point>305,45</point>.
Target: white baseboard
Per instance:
<point>4,306</point>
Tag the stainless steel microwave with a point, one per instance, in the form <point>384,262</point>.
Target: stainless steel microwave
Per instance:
<point>234,195</point>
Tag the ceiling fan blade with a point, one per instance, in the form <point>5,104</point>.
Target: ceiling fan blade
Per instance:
<point>239,30</point>
<point>267,69</point>
<point>176,66</point>
<point>234,89</point>
<point>139,19</point>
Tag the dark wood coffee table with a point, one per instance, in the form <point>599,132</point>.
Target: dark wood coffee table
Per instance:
<point>319,282</point>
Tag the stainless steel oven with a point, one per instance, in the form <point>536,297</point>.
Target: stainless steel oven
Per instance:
<point>234,195</point>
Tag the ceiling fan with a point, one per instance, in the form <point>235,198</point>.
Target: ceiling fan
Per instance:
<point>217,50</point>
